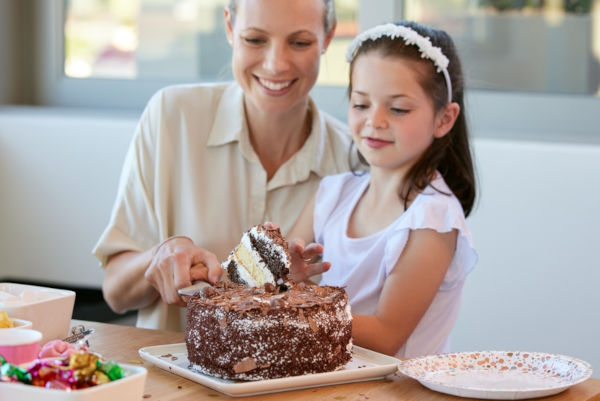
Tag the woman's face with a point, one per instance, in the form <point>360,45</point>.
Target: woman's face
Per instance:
<point>276,49</point>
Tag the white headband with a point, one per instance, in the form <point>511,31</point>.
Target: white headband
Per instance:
<point>411,37</point>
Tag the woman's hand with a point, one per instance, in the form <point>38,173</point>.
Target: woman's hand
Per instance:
<point>178,262</point>
<point>305,260</point>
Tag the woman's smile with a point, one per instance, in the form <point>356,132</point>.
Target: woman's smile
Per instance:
<point>275,87</point>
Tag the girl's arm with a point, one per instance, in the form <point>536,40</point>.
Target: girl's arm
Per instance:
<point>302,255</point>
<point>408,291</point>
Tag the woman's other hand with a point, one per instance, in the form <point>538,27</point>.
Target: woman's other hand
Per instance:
<point>305,261</point>
<point>178,262</point>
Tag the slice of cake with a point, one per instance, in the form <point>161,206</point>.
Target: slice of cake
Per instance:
<point>261,257</point>
<point>253,333</point>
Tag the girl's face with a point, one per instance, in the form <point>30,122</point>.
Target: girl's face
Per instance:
<point>391,118</point>
<point>277,45</point>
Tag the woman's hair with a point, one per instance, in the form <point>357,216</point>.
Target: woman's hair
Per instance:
<point>450,154</point>
<point>329,18</point>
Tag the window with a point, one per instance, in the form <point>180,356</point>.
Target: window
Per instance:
<point>515,45</point>
<point>535,61</point>
<point>550,46</point>
<point>164,39</point>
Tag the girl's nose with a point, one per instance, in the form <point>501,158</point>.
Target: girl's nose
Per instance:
<point>276,58</point>
<point>377,118</point>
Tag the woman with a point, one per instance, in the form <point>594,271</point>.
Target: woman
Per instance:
<point>209,161</point>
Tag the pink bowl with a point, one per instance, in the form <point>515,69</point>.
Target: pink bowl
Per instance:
<point>19,346</point>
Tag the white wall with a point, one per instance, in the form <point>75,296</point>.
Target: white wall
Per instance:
<point>58,179</point>
<point>535,227</point>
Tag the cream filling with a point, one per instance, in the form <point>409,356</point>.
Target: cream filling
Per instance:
<point>250,265</point>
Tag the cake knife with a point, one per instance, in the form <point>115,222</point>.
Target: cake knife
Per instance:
<point>194,288</point>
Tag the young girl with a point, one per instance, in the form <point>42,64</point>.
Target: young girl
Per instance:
<point>396,235</point>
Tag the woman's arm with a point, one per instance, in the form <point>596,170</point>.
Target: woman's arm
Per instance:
<point>407,293</point>
<point>134,280</point>
<point>124,286</point>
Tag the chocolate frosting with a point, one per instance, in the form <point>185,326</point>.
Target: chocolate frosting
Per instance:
<point>248,333</point>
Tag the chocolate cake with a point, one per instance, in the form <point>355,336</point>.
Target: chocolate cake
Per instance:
<point>253,333</point>
<point>260,257</point>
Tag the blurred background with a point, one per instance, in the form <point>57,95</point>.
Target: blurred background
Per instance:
<point>75,76</point>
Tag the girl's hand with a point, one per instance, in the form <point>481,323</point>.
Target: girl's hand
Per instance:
<point>305,260</point>
<point>176,263</point>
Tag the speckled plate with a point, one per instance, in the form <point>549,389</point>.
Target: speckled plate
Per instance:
<point>365,365</point>
<point>497,375</point>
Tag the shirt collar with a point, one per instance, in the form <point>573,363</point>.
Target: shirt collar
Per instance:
<point>316,155</point>
<point>229,123</point>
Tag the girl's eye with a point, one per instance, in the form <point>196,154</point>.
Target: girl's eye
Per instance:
<point>359,106</point>
<point>399,111</point>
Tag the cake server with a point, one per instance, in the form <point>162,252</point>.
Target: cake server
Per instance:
<point>194,288</point>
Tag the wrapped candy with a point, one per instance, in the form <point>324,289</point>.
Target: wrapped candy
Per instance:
<point>111,369</point>
<point>57,348</point>
<point>80,370</point>
<point>10,372</point>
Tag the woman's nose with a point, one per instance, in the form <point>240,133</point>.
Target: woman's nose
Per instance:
<point>276,58</point>
<point>377,118</point>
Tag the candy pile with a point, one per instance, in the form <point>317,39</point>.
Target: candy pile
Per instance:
<point>79,370</point>
<point>5,321</point>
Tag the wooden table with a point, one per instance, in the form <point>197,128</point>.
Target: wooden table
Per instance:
<point>121,344</point>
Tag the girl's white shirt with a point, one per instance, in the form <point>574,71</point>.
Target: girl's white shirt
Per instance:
<point>363,264</point>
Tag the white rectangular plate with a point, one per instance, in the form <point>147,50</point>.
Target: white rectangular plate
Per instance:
<point>365,365</point>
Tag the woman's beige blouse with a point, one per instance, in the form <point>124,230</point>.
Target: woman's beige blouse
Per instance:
<point>191,170</point>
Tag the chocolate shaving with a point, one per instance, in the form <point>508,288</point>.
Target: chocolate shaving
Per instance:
<point>301,315</point>
<point>208,292</point>
<point>312,324</point>
<point>223,322</point>
<point>277,303</point>
<point>245,365</point>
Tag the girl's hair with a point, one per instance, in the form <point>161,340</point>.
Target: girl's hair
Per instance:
<point>450,154</point>
<point>329,18</point>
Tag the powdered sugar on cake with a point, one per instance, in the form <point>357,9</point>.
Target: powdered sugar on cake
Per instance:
<point>239,332</point>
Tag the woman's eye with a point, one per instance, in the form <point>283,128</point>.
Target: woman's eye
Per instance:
<point>254,41</point>
<point>301,43</point>
<point>359,106</point>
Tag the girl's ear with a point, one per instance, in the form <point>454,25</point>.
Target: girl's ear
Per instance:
<point>446,119</point>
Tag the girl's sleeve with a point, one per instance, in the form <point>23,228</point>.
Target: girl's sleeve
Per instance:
<point>328,195</point>
<point>443,214</point>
